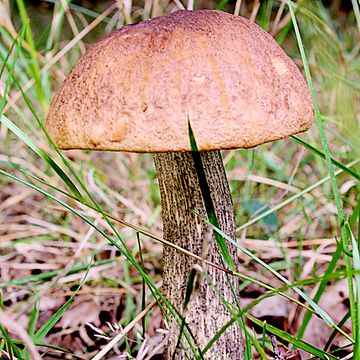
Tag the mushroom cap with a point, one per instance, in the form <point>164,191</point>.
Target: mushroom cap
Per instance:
<point>137,88</point>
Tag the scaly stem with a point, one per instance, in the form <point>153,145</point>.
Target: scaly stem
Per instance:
<point>181,198</point>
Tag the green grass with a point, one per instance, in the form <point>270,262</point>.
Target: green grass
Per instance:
<point>100,212</point>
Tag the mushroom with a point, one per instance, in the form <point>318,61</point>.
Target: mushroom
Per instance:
<point>137,89</point>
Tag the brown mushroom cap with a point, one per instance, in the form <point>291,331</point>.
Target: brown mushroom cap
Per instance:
<point>136,89</point>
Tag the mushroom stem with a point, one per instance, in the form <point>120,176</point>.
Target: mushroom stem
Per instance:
<point>181,198</point>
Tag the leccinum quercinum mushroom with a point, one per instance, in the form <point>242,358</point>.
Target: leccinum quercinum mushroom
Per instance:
<point>136,90</point>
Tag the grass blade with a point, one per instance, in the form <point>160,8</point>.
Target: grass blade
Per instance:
<point>320,291</point>
<point>323,314</point>
<point>316,151</point>
<point>294,197</point>
<point>42,154</point>
<point>318,353</point>
<point>356,264</point>
<point>154,290</point>
<point>209,206</point>
<point>335,189</point>
<point>44,330</point>
<point>34,64</point>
